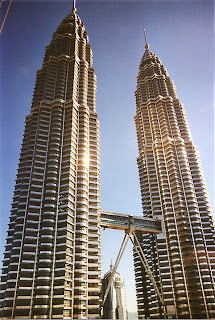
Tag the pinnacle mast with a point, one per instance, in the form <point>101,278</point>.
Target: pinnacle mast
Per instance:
<point>74,5</point>
<point>146,42</point>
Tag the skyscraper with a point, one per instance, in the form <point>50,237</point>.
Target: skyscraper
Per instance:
<point>115,304</point>
<point>173,190</point>
<point>51,265</point>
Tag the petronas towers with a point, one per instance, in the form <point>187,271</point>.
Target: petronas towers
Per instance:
<point>52,264</point>
<point>173,190</point>
<point>52,260</point>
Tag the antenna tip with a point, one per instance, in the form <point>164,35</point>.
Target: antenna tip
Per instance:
<point>111,264</point>
<point>146,42</point>
<point>74,5</point>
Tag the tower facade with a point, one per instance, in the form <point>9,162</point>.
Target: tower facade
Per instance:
<point>173,190</point>
<point>51,265</point>
<point>115,304</point>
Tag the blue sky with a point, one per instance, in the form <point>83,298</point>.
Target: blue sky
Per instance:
<point>179,32</point>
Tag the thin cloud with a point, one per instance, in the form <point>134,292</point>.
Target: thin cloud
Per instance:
<point>25,71</point>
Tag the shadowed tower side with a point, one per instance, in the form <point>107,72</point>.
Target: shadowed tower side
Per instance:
<point>173,190</point>
<point>51,265</point>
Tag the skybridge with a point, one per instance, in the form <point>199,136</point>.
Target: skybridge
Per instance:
<point>132,225</point>
<point>119,221</point>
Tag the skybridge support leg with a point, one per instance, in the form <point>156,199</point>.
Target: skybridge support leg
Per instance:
<point>6,13</point>
<point>147,268</point>
<point>121,250</point>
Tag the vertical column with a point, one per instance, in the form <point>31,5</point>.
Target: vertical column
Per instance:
<point>82,202</point>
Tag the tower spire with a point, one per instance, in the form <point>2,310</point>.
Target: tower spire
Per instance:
<point>74,5</point>
<point>111,264</point>
<point>146,42</point>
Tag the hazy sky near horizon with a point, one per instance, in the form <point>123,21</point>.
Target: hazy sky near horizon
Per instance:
<point>179,32</point>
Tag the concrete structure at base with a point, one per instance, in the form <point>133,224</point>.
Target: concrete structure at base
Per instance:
<point>173,190</point>
<point>115,304</point>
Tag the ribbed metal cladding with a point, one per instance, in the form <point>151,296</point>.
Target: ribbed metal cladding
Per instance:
<point>52,266</point>
<point>173,189</point>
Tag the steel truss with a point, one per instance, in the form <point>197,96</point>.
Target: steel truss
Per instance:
<point>137,247</point>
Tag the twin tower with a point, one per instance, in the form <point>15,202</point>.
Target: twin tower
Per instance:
<point>52,260</point>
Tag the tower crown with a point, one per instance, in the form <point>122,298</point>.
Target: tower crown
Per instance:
<point>149,57</point>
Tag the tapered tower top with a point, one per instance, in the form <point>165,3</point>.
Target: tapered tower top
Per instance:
<point>146,43</point>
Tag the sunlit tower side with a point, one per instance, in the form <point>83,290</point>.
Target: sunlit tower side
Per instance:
<point>173,190</point>
<point>52,266</point>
